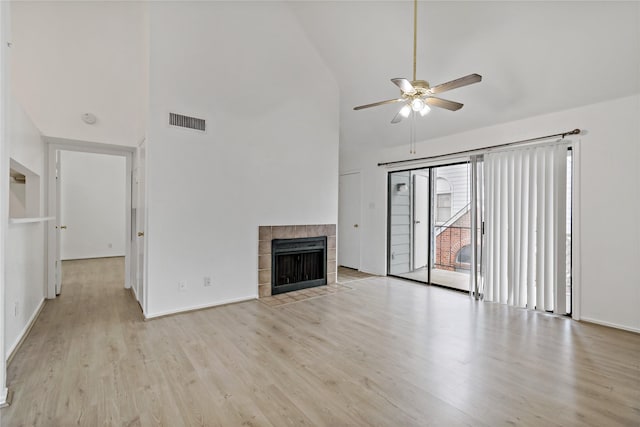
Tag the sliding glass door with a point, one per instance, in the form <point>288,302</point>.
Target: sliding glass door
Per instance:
<point>430,225</point>
<point>504,214</point>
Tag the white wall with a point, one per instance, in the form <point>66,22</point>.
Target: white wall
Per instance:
<point>72,57</point>
<point>92,205</point>
<point>5,36</point>
<point>25,248</point>
<point>609,182</point>
<point>269,156</point>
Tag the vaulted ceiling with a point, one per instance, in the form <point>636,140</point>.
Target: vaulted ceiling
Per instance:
<point>535,58</point>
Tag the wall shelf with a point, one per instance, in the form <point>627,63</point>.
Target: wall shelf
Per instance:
<point>28,220</point>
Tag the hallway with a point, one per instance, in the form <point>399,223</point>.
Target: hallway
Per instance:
<point>74,358</point>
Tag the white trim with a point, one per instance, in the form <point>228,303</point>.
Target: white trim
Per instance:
<point>142,145</point>
<point>57,144</point>
<point>6,396</point>
<point>88,146</point>
<point>28,220</point>
<point>200,307</point>
<point>576,233</point>
<point>25,331</point>
<point>135,294</point>
<point>5,34</point>
<point>610,324</point>
<point>350,172</point>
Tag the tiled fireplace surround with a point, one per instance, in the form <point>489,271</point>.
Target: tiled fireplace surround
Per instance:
<point>266,233</point>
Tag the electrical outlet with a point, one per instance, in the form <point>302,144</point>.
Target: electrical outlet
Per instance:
<point>207,281</point>
<point>182,286</point>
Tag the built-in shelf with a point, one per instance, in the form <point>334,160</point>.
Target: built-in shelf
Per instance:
<point>27,220</point>
<point>24,194</point>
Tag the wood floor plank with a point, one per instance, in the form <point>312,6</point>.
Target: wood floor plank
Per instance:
<point>385,353</point>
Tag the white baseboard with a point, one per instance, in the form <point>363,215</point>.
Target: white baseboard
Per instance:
<point>609,324</point>
<point>23,334</point>
<point>86,257</point>
<point>6,396</point>
<point>199,307</point>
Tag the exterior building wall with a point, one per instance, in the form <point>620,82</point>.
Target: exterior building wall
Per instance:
<point>449,242</point>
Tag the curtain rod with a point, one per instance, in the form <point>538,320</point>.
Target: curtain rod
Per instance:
<point>475,150</point>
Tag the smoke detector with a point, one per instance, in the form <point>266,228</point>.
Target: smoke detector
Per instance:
<point>88,118</point>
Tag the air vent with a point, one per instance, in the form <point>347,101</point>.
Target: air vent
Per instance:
<point>186,122</point>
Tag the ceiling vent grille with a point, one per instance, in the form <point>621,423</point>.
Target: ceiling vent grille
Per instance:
<point>186,122</point>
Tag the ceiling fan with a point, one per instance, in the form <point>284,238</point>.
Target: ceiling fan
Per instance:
<point>417,95</point>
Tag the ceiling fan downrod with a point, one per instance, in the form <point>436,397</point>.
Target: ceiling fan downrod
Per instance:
<point>415,36</point>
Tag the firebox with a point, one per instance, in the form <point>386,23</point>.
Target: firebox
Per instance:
<point>298,264</point>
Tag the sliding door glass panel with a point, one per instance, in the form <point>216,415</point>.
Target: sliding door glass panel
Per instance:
<point>409,213</point>
<point>451,250</point>
<point>400,239</point>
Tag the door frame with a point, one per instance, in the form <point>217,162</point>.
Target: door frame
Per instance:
<point>414,192</point>
<point>139,242</point>
<point>63,144</point>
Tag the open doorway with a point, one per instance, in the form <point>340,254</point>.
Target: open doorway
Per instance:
<point>92,217</point>
<point>75,235</point>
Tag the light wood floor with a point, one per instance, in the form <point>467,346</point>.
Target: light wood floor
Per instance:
<point>387,353</point>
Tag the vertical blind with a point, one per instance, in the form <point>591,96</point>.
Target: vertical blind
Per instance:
<point>525,227</point>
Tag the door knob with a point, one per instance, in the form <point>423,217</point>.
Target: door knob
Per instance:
<point>140,234</point>
<point>418,222</point>
<point>355,225</point>
<point>63,227</point>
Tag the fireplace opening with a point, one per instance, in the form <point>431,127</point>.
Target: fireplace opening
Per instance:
<point>298,264</point>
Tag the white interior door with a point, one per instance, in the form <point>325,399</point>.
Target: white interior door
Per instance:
<point>349,221</point>
<point>59,224</point>
<point>140,220</point>
<point>420,221</point>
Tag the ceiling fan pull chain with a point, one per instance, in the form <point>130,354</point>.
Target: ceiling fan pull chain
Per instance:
<point>412,134</point>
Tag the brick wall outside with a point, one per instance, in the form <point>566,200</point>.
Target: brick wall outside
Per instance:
<point>450,241</point>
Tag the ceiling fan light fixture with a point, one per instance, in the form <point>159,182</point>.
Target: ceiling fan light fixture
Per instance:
<point>405,111</point>
<point>425,110</point>
<point>417,104</point>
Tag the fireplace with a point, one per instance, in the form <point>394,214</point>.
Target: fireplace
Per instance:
<point>268,233</point>
<point>298,263</point>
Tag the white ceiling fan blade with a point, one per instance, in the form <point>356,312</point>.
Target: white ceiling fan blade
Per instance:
<point>404,85</point>
<point>402,114</point>
<point>454,84</point>
<point>375,104</point>
<point>443,103</point>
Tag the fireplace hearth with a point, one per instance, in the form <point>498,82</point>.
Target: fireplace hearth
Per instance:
<point>298,264</point>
